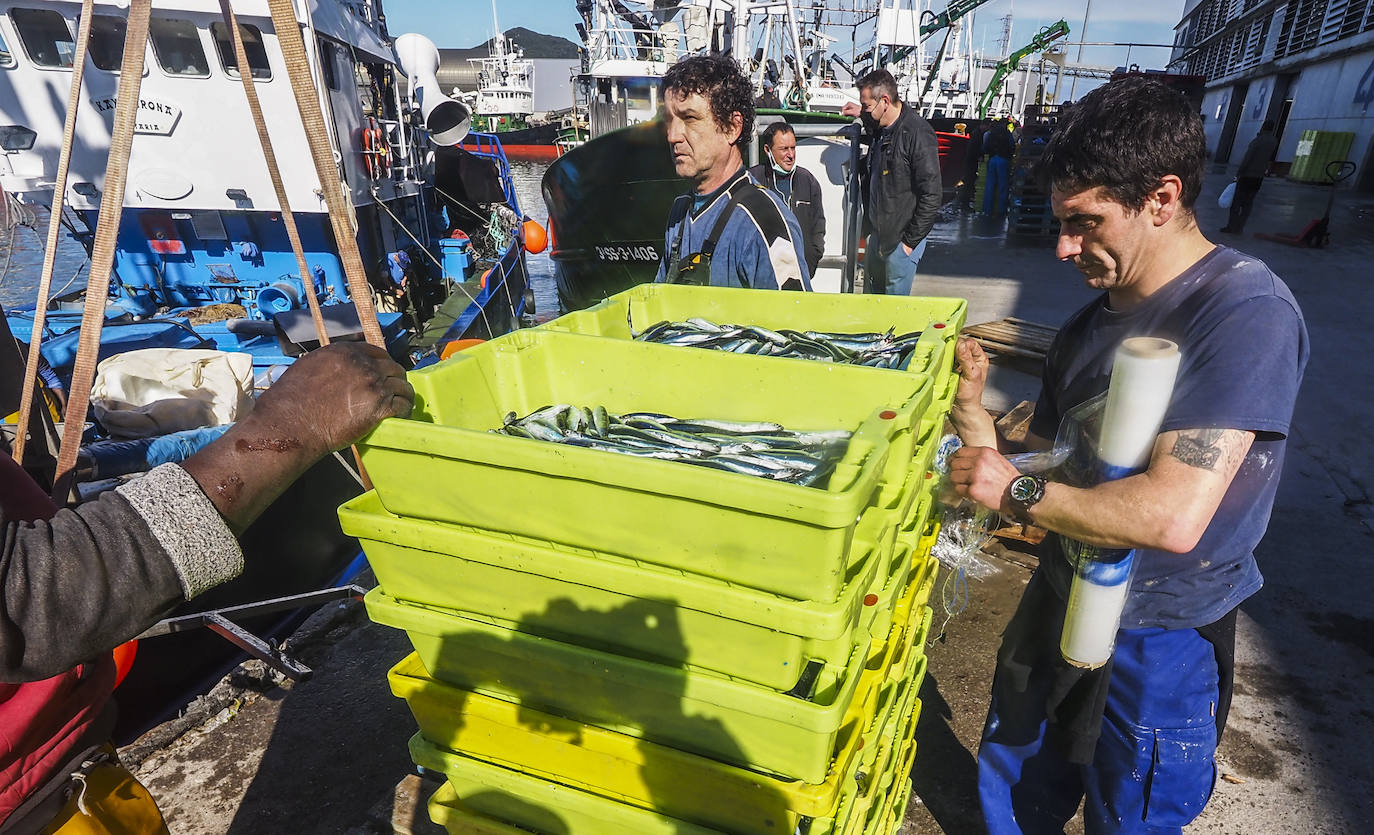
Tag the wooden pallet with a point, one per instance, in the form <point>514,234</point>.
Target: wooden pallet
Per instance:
<point>1013,337</point>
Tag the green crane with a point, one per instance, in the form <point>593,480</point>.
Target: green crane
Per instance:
<point>1008,65</point>
<point>932,23</point>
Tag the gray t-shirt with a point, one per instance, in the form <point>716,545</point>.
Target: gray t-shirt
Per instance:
<point>1244,347</point>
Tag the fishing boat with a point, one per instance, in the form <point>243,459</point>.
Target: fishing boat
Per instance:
<point>202,253</point>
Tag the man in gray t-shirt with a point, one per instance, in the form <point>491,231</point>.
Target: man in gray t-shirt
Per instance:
<point>1135,741</point>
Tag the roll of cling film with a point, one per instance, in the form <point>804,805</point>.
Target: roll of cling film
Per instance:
<point>1097,597</point>
<point>1143,376</point>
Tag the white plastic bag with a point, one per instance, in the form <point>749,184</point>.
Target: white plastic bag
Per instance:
<point>154,391</point>
<point>1227,195</point>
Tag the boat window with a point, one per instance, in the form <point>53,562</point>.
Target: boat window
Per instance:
<point>252,44</point>
<point>107,42</point>
<point>638,95</point>
<point>46,37</point>
<point>6,59</point>
<point>177,46</point>
<point>329,54</point>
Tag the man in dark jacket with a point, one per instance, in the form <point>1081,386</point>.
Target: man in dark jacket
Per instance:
<point>798,187</point>
<point>1000,146</point>
<point>901,184</point>
<point>1250,176</point>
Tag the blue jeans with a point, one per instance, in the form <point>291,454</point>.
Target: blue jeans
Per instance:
<point>893,274</point>
<point>998,182</point>
<point>1154,764</point>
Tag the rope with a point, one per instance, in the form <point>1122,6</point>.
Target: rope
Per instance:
<point>27,389</point>
<point>269,156</point>
<point>317,135</point>
<point>103,249</point>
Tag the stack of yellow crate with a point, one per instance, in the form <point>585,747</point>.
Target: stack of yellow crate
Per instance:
<point>606,644</point>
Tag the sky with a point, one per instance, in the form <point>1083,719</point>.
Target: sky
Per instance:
<point>463,23</point>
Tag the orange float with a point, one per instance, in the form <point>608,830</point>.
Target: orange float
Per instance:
<point>535,239</point>
<point>458,345</point>
<point>124,656</point>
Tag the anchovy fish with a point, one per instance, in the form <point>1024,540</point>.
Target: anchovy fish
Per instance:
<point>876,350</point>
<point>756,448</point>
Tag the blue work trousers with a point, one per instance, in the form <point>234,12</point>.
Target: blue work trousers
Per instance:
<point>893,274</point>
<point>997,185</point>
<point>1154,765</point>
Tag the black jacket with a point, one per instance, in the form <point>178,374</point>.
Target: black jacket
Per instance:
<point>901,180</point>
<point>805,203</point>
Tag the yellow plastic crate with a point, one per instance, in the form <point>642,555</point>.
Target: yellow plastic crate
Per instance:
<point>939,319</point>
<point>727,719</point>
<point>540,805</point>
<point>445,464</point>
<point>672,782</point>
<point>604,601</point>
<point>897,814</point>
<point>446,810</point>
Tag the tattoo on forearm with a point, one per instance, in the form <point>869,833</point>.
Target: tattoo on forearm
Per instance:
<point>1201,448</point>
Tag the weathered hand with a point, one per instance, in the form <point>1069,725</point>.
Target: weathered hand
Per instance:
<point>333,396</point>
<point>851,109</point>
<point>981,474</point>
<point>972,365</point>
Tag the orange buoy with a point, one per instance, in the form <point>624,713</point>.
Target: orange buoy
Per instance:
<point>486,275</point>
<point>535,239</point>
<point>458,345</point>
<point>124,656</point>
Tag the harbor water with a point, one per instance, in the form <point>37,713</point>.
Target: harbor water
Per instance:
<point>22,248</point>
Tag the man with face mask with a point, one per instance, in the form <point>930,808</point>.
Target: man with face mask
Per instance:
<point>780,172</point>
<point>729,231</point>
<point>901,183</point>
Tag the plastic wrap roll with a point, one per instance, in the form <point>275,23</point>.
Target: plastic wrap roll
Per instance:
<point>1142,383</point>
<point>1138,396</point>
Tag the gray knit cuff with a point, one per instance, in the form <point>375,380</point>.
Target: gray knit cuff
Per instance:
<point>187,525</point>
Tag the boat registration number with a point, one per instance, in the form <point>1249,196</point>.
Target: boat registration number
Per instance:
<point>628,252</point>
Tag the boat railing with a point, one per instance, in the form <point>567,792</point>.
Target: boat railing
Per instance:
<point>489,145</point>
<point>629,44</point>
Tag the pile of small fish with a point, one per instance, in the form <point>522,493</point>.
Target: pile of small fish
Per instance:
<point>876,350</point>
<point>766,450</point>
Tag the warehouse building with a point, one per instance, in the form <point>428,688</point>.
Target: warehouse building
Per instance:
<point>1306,64</point>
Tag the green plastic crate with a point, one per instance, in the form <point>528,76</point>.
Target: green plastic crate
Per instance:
<point>727,719</point>
<point>533,803</point>
<point>604,602</point>
<point>939,319</point>
<point>794,541</point>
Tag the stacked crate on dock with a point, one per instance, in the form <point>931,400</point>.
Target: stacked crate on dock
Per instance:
<point>1030,214</point>
<point>607,644</point>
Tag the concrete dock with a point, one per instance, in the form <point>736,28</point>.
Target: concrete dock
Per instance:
<point>261,756</point>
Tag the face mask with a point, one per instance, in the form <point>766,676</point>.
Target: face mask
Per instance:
<point>870,123</point>
<point>778,168</point>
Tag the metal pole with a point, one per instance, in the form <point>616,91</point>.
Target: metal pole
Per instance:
<point>1073,87</point>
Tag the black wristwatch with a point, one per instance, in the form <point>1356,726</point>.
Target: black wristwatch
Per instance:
<point>1024,491</point>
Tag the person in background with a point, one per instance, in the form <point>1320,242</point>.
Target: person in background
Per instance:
<point>901,183</point>
<point>74,584</point>
<point>1000,146</point>
<point>798,187</point>
<point>973,155</point>
<point>1134,741</point>
<point>769,98</point>
<point>1250,176</point>
<point>728,231</point>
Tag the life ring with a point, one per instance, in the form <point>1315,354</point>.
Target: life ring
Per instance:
<point>376,153</point>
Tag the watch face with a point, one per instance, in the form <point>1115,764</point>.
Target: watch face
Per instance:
<point>1024,488</point>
